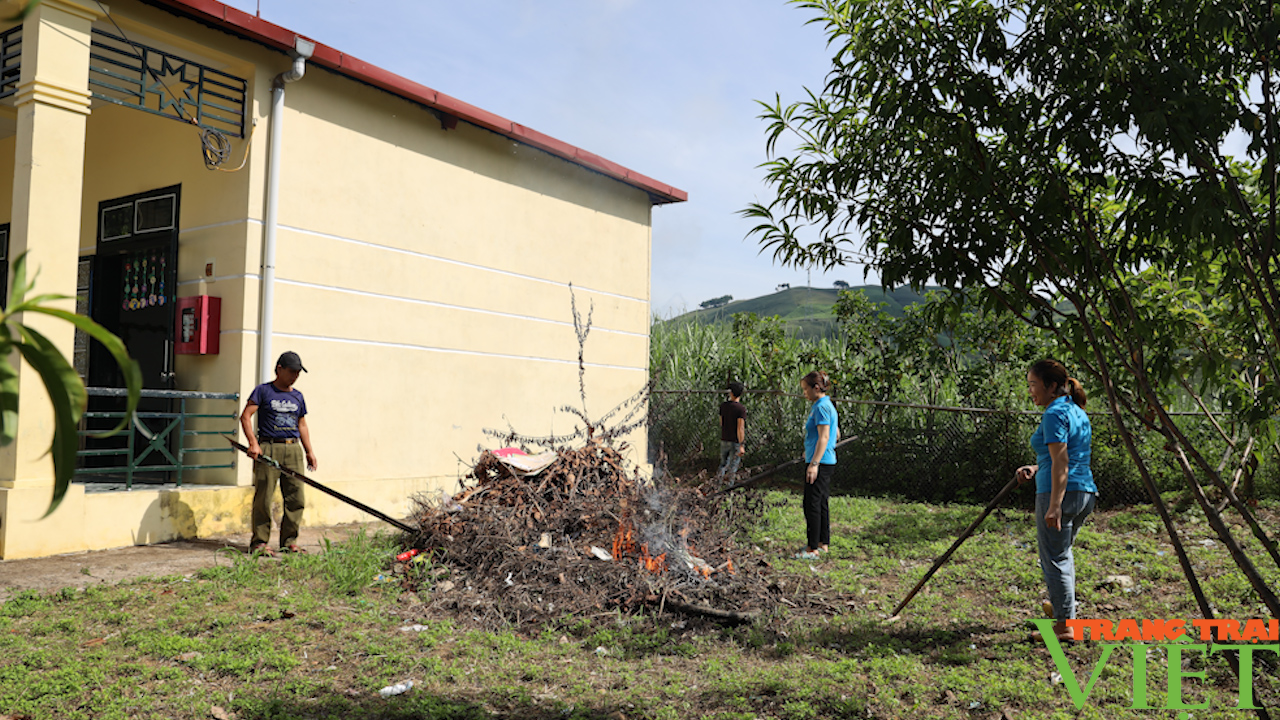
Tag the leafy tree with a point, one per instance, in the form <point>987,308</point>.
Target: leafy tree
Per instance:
<point>764,340</point>
<point>784,286</point>
<point>980,349</point>
<point>716,302</point>
<point>868,330</point>
<point>65,388</point>
<point>1074,162</point>
<point>840,285</point>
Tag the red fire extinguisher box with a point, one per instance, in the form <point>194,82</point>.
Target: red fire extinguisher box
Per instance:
<point>199,319</point>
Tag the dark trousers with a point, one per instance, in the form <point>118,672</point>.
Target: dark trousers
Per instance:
<point>265,478</point>
<point>817,518</point>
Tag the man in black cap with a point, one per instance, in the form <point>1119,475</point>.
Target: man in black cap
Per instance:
<point>282,435</point>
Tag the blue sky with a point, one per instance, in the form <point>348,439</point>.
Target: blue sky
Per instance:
<point>665,87</point>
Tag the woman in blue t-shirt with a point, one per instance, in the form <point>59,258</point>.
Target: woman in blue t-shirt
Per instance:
<point>821,431</point>
<point>1065,491</point>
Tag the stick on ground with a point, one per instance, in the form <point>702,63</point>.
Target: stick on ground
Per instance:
<point>893,616</point>
<point>326,490</point>
<point>773,471</point>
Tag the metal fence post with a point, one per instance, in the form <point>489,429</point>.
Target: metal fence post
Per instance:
<point>182,429</point>
<point>128,472</point>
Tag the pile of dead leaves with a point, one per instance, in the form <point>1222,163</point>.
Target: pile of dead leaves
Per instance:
<point>585,536</point>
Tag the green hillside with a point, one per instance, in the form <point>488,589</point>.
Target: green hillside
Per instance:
<point>806,311</point>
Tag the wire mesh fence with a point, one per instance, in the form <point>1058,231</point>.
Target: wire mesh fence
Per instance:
<point>918,452</point>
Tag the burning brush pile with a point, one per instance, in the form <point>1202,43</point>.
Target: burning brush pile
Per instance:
<point>584,536</point>
<point>572,532</point>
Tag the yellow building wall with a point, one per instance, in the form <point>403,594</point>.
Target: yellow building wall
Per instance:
<point>423,275</point>
<point>431,268</point>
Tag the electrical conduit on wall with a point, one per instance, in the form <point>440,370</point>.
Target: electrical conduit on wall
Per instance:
<point>302,51</point>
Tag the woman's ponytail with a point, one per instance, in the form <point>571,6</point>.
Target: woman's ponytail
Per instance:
<point>1077,393</point>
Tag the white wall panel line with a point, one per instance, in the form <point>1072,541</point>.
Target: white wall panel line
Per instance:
<point>433,303</point>
<point>216,278</point>
<point>452,351</point>
<point>237,221</point>
<point>459,263</point>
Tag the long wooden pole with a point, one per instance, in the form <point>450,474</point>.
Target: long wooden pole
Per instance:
<point>963,536</point>
<point>326,490</point>
<point>758,477</point>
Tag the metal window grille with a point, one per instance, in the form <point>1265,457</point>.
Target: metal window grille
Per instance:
<point>10,60</point>
<point>80,356</point>
<point>141,77</point>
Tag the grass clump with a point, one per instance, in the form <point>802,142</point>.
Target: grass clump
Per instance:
<point>316,636</point>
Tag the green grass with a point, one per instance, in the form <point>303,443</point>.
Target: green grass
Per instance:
<point>316,637</point>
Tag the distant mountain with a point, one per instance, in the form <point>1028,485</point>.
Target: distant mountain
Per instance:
<point>806,311</point>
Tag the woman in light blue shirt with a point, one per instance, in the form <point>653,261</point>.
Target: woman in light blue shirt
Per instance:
<point>1065,491</point>
<point>821,432</point>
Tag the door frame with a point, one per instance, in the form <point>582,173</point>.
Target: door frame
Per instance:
<point>134,237</point>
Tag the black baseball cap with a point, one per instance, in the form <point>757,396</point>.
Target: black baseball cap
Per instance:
<point>290,360</point>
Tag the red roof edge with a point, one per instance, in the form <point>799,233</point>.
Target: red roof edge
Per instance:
<point>253,28</point>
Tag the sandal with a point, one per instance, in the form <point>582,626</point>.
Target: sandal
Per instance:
<point>293,548</point>
<point>262,550</point>
<point>807,555</point>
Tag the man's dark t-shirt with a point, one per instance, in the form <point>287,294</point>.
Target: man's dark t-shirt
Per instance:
<point>730,412</point>
<point>278,412</point>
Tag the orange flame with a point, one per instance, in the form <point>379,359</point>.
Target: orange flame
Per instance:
<point>623,542</point>
<point>654,565</point>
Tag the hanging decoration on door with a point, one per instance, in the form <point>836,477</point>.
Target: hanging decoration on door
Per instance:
<point>140,289</point>
<point>151,281</point>
<point>127,296</point>
<point>144,284</point>
<point>161,274</point>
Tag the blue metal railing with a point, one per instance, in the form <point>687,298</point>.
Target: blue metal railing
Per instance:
<point>155,441</point>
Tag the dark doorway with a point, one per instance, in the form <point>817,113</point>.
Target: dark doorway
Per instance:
<point>4,265</point>
<point>134,278</point>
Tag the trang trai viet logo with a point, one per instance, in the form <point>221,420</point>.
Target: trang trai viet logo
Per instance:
<point>1180,640</point>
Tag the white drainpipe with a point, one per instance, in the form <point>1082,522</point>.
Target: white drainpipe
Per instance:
<point>302,51</point>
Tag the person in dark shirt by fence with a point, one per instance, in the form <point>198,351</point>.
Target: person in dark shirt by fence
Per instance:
<point>733,431</point>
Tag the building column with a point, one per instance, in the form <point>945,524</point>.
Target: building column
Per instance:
<point>52,103</point>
